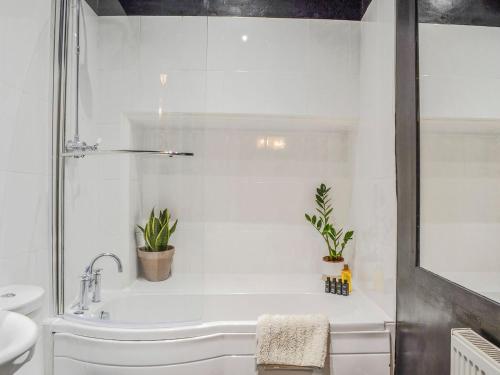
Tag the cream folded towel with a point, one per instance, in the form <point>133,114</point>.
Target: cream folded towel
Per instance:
<point>292,340</point>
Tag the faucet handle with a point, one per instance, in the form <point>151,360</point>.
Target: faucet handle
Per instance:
<point>96,274</point>
<point>83,294</point>
<point>96,284</point>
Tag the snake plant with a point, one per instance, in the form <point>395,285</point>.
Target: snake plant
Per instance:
<point>157,231</point>
<point>331,235</point>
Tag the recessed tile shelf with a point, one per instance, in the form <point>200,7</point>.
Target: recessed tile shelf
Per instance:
<point>240,121</point>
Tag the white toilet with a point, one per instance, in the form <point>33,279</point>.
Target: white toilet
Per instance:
<point>26,300</point>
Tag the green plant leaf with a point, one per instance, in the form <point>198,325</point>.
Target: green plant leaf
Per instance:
<point>156,226</point>
<point>326,229</point>
<point>348,236</point>
<point>165,217</point>
<point>173,228</point>
<point>148,237</point>
<point>323,222</point>
<point>161,242</point>
<point>157,231</point>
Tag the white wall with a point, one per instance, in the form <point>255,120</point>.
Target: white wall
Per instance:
<point>221,87</point>
<point>25,135</point>
<point>241,206</point>
<point>460,204</point>
<point>24,145</point>
<point>374,175</point>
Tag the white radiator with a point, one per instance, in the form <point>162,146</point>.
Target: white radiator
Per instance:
<point>471,354</point>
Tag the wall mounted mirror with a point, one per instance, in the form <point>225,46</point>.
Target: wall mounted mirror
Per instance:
<point>459,74</point>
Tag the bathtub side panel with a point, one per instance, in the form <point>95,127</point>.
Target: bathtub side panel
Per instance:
<point>342,364</point>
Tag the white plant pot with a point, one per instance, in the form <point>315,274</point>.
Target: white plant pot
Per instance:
<point>331,269</point>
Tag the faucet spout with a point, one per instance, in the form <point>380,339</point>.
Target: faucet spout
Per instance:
<point>90,268</point>
<point>94,277</point>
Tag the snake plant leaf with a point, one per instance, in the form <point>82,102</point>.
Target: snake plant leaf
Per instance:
<point>157,231</point>
<point>164,217</point>
<point>156,225</point>
<point>148,236</point>
<point>174,227</point>
<point>162,239</point>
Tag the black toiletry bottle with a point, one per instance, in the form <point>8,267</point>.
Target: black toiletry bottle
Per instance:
<point>328,285</point>
<point>333,289</point>
<point>345,288</point>
<point>339,286</point>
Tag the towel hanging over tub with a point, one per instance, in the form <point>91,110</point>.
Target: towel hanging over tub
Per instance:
<point>292,340</point>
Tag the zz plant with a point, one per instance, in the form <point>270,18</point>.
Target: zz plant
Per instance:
<point>157,231</point>
<point>334,238</point>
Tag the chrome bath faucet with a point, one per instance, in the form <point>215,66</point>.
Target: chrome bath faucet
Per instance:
<point>90,281</point>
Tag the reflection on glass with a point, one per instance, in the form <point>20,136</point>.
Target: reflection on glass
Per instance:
<point>272,143</point>
<point>460,154</point>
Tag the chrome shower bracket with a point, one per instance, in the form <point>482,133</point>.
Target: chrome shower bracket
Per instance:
<point>80,148</point>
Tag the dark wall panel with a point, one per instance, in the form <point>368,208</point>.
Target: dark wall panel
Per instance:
<point>329,9</point>
<point>462,12</point>
<point>364,6</point>
<point>428,306</point>
<point>321,9</point>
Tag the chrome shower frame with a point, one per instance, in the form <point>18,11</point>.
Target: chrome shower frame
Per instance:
<point>61,10</point>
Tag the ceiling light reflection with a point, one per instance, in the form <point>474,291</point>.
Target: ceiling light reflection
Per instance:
<point>271,143</point>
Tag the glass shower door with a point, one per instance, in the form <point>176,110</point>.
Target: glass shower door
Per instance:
<point>133,144</point>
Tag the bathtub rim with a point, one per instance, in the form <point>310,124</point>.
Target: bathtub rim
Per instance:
<point>98,330</point>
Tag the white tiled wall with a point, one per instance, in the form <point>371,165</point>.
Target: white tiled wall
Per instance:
<point>241,206</point>
<point>24,146</point>
<point>283,66</point>
<point>374,175</point>
<point>240,83</point>
<point>228,65</point>
<point>24,141</point>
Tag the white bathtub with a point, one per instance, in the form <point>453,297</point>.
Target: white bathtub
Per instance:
<point>210,334</point>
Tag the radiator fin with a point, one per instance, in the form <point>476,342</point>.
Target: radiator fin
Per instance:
<point>472,354</point>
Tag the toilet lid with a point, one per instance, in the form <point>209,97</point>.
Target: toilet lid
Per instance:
<point>23,299</point>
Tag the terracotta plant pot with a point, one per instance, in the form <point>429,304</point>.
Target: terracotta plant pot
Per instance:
<point>156,265</point>
<point>332,268</point>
